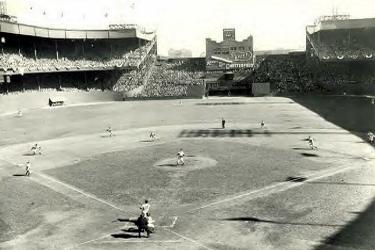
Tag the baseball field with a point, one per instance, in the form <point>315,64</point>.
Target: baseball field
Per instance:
<point>241,187</point>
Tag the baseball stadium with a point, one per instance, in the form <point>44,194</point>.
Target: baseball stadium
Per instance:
<point>239,149</point>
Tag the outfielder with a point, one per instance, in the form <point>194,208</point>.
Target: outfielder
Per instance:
<point>180,157</point>
<point>27,168</point>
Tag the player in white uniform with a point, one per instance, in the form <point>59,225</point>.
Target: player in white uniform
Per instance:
<point>262,124</point>
<point>151,223</point>
<point>19,113</point>
<point>109,130</point>
<point>36,149</point>
<point>180,157</point>
<point>153,136</point>
<point>370,137</point>
<point>27,168</point>
<point>145,208</point>
<point>312,143</point>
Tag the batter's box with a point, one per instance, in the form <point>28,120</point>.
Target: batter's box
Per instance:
<point>167,222</point>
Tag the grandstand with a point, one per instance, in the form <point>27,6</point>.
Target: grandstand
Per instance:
<point>339,38</point>
<point>35,57</point>
<point>175,77</point>
<point>339,58</point>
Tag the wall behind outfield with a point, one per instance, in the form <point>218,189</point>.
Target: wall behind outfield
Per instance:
<point>30,100</point>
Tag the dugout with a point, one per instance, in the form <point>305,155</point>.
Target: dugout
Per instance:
<point>56,101</point>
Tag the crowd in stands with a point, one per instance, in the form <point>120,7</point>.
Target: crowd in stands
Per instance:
<point>135,78</point>
<point>344,48</point>
<point>285,73</point>
<point>172,79</point>
<point>293,73</point>
<point>19,63</point>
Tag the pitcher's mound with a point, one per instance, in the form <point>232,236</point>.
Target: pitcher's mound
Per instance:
<point>191,163</point>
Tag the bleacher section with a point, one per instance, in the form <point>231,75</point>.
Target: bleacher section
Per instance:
<point>172,78</point>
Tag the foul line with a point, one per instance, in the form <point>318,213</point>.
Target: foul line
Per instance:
<point>86,242</point>
<point>173,223</point>
<point>79,191</point>
<point>272,188</point>
<point>188,239</point>
<point>115,207</point>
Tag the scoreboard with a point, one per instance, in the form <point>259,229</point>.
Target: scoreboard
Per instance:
<point>229,54</point>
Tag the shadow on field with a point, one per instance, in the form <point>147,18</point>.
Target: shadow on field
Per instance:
<point>257,220</point>
<point>19,175</point>
<point>146,141</point>
<point>358,234</point>
<point>29,154</point>
<point>124,236</point>
<point>307,148</point>
<point>192,133</point>
<point>130,230</point>
<point>309,155</point>
<point>355,114</point>
<point>127,220</point>
<point>167,165</point>
<point>296,179</point>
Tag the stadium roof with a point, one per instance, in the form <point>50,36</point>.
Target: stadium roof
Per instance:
<point>341,24</point>
<point>44,32</point>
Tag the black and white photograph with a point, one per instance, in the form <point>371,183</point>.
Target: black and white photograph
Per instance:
<point>187,125</point>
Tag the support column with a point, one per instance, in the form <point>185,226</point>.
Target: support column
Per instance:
<point>35,52</point>
<point>57,50</point>
<point>19,46</point>
<point>83,49</point>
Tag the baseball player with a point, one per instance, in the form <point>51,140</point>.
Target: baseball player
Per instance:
<point>180,157</point>
<point>27,168</point>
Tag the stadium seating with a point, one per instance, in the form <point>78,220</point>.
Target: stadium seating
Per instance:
<point>22,64</point>
<point>172,79</point>
<point>342,45</point>
<point>294,73</point>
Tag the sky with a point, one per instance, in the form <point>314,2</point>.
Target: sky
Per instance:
<point>274,24</point>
